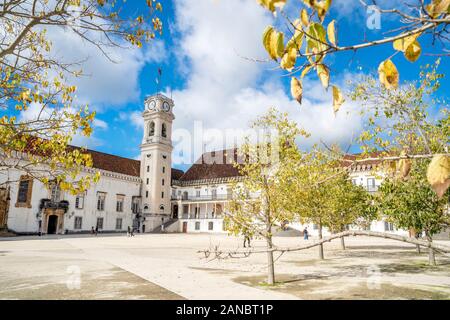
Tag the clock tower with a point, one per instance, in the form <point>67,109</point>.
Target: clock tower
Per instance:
<point>156,160</point>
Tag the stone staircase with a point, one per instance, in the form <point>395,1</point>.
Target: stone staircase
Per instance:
<point>288,232</point>
<point>166,226</point>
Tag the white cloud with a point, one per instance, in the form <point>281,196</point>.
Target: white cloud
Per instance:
<point>100,124</point>
<point>104,83</point>
<point>136,119</point>
<point>225,91</point>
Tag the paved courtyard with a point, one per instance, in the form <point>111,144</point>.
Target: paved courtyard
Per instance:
<point>167,266</point>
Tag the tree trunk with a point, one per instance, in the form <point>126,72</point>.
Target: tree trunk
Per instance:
<point>270,265</point>
<point>431,256</point>
<point>343,239</point>
<point>342,243</point>
<point>321,245</point>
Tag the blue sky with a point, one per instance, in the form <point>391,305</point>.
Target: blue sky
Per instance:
<point>201,53</point>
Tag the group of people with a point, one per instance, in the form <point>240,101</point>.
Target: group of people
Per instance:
<point>94,231</point>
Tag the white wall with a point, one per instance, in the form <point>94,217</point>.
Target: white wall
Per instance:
<point>24,220</point>
<point>204,225</point>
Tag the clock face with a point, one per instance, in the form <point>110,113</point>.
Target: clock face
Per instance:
<point>151,105</point>
<point>166,106</point>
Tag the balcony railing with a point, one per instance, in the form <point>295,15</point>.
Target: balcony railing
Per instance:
<point>201,217</point>
<point>203,198</point>
<point>371,188</point>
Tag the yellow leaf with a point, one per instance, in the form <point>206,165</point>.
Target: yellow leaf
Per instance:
<point>304,17</point>
<point>404,166</point>
<point>296,89</point>
<point>272,4</point>
<point>277,44</point>
<point>438,174</point>
<point>324,75</point>
<point>338,99</point>
<point>438,7</point>
<point>305,71</point>
<point>289,59</point>
<point>413,51</point>
<point>403,43</point>
<point>316,39</point>
<point>388,74</point>
<point>267,36</point>
<point>331,31</point>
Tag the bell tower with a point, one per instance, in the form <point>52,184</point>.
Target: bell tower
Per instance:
<point>156,160</point>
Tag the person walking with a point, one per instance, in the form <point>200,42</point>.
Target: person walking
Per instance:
<point>305,233</point>
<point>128,231</point>
<point>247,238</point>
<point>132,232</point>
<point>96,230</point>
<point>92,230</point>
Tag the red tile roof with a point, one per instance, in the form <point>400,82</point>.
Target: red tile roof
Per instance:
<point>213,165</point>
<point>131,167</point>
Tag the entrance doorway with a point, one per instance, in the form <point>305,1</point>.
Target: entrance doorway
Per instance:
<point>4,205</point>
<point>52,224</point>
<point>184,227</point>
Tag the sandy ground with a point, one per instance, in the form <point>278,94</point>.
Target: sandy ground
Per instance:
<point>167,266</point>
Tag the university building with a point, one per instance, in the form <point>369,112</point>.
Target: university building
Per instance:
<point>148,194</point>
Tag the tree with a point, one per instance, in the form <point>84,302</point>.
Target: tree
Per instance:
<point>312,197</point>
<point>30,73</point>
<point>260,199</point>
<point>350,205</point>
<point>408,123</point>
<point>411,204</point>
<point>312,37</point>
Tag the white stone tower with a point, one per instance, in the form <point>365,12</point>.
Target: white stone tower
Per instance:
<point>156,160</point>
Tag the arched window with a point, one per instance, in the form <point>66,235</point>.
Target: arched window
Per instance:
<point>164,130</point>
<point>151,129</point>
<point>161,207</point>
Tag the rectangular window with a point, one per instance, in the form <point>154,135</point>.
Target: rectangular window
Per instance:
<point>210,226</point>
<point>148,180</point>
<point>56,193</point>
<point>163,169</point>
<point>197,225</point>
<point>185,209</point>
<point>22,196</point>
<point>119,204</point>
<point>197,193</point>
<point>119,224</point>
<point>79,202</point>
<point>135,205</point>
<point>214,193</point>
<point>101,201</point>
<point>146,194</point>
<point>100,223</point>
<point>162,182</point>
<point>162,195</point>
<point>388,226</point>
<point>371,187</point>
<point>78,223</point>
<point>148,168</point>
